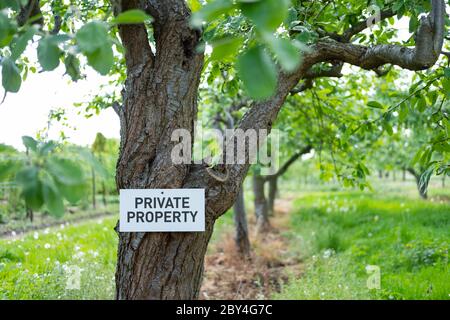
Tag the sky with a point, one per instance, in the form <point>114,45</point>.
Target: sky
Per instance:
<point>26,112</point>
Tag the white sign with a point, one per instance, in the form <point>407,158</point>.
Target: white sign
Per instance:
<point>160,210</point>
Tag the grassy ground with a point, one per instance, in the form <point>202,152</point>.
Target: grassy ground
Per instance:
<point>11,224</point>
<point>339,234</point>
<point>41,265</point>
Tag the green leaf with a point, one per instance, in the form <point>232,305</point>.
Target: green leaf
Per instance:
<point>13,4</point>
<point>19,45</point>
<point>52,198</point>
<point>225,47</point>
<point>7,29</point>
<point>421,104</point>
<point>74,193</point>
<point>403,112</point>
<point>258,73</point>
<point>413,23</point>
<point>266,14</point>
<point>65,171</point>
<point>11,79</point>
<point>29,143</point>
<point>102,60</point>
<point>447,72</point>
<point>287,54</point>
<point>131,17</point>
<point>48,53</point>
<point>388,128</point>
<point>375,104</point>
<point>8,168</point>
<point>446,85</point>
<point>211,11</point>
<point>194,5</point>
<point>72,64</point>
<point>416,157</point>
<point>47,147</point>
<point>94,42</point>
<point>28,180</point>
<point>89,157</point>
<point>92,36</point>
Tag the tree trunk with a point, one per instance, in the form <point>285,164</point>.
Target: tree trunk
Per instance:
<point>104,193</point>
<point>261,212</point>
<point>423,194</point>
<point>272,194</point>
<point>380,174</point>
<point>403,174</point>
<point>160,96</point>
<point>94,203</point>
<point>30,214</point>
<point>240,222</point>
<point>394,177</point>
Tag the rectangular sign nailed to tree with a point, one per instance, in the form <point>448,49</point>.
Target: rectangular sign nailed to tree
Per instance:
<point>162,210</point>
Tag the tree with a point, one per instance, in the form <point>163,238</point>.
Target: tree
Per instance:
<point>45,176</point>
<point>160,94</point>
<point>273,179</point>
<point>224,119</point>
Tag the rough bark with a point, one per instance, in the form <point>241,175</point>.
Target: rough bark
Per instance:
<point>261,212</point>
<point>31,10</point>
<point>429,40</point>
<point>272,194</point>
<point>241,238</point>
<point>240,222</point>
<point>160,96</point>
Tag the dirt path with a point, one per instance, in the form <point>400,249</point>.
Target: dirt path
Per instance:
<point>229,276</point>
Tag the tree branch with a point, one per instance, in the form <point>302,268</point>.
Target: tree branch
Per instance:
<point>362,25</point>
<point>429,40</point>
<point>348,34</point>
<point>262,114</point>
<point>134,37</point>
<point>311,74</point>
<point>291,160</point>
<point>30,10</point>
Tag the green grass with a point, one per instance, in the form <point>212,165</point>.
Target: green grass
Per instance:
<point>39,265</point>
<point>338,234</point>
